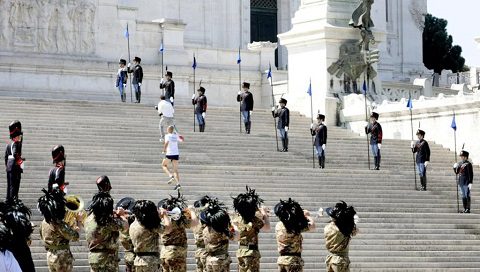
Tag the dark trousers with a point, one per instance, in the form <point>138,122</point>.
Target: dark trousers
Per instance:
<point>13,184</point>
<point>138,92</point>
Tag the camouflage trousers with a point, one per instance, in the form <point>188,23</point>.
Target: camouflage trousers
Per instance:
<point>338,267</point>
<point>337,263</point>
<point>148,268</point>
<point>174,265</point>
<point>248,264</point>
<point>290,264</point>
<point>146,264</point>
<point>129,259</point>
<point>103,261</point>
<point>60,260</point>
<point>290,268</point>
<point>107,267</point>
<point>219,263</point>
<point>201,264</point>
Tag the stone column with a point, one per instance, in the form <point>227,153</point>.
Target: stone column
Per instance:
<point>267,56</point>
<point>319,28</point>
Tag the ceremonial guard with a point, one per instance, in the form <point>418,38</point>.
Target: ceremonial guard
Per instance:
<point>320,132</point>
<point>102,228</point>
<point>137,77</point>
<point>216,236</point>
<point>198,225</point>
<point>422,158</point>
<point>338,234</point>
<point>169,85</point>
<point>293,221</point>
<point>464,170</point>
<point>121,82</point>
<point>174,240</point>
<point>8,263</point>
<point>14,160</point>
<point>283,114</point>
<point>249,224</point>
<point>16,217</point>
<point>246,105</point>
<point>144,232</point>
<point>127,204</point>
<point>103,184</point>
<point>56,177</point>
<point>200,102</point>
<point>55,233</point>
<point>375,129</point>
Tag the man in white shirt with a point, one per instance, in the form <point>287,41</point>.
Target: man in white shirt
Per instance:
<point>165,110</point>
<point>172,154</point>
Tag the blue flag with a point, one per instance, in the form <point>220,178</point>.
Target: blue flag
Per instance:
<point>269,73</point>
<point>194,65</point>
<point>409,102</point>
<point>126,34</point>
<point>454,124</point>
<point>161,48</point>
<point>309,91</point>
<point>239,59</point>
<point>364,87</point>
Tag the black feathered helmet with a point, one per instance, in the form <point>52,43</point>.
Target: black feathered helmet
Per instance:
<point>344,217</point>
<point>16,217</point>
<point>216,217</point>
<point>5,237</point>
<point>52,205</point>
<point>102,208</point>
<point>175,202</point>
<point>291,215</point>
<point>146,213</point>
<point>247,204</point>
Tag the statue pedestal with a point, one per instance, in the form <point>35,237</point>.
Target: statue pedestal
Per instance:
<point>320,27</point>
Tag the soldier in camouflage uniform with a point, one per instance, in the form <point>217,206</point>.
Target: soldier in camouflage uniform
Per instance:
<point>216,236</point>
<point>127,203</point>
<point>102,229</point>
<point>293,221</point>
<point>338,234</point>
<point>198,226</point>
<point>246,220</point>
<point>174,241</point>
<point>144,232</point>
<point>55,233</point>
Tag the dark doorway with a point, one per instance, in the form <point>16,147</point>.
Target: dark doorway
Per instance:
<point>263,22</point>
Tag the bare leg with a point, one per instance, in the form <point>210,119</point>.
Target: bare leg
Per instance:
<point>165,167</point>
<point>175,170</point>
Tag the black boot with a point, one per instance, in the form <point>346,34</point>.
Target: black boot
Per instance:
<point>136,97</point>
<point>469,201</point>
<point>203,128</point>
<point>283,145</point>
<point>323,161</point>
<point>319,161</point>
<point>378,161</point>
<point>423,182</point>
<point>124,98</point>
<point>246,127</point>
<point>249,126</point>
<point>465,204</point>
<point>375,162</point>
<point>139,96</point>
<point>286,144</point>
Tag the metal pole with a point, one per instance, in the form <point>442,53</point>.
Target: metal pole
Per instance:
<point>240,89</point>
<point>128,47</point>
<point>194,85</point>
<point>366,117</point>
<point>456,175</point>
<point>311,121</point>
<point>413,154</point>
<point>273,105</point>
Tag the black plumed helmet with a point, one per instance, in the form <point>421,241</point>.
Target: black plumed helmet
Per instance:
<point>103,184</point>
<point>15,129</point>
<point>58,153</point>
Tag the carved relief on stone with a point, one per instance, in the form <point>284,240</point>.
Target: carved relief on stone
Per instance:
<point>48,26</point>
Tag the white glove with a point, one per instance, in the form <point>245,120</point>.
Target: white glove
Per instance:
<point>426,163</point>
<point>140,84</point>
<point>162,81</point>
<point>204,114</point>
<point>129,64</point>
<point>273,108</point>
<point>171,99</point>
<point>286,129</point>
<point>455,165</point>
<point>124,86</point>
<point>251,113</point>
<point>311,126</point>
<point>323,146</point>
<point>412,144</point>
<point>470,186</point>
<point>379,146</point>
<point>193,96</point>
<point>239,93</point>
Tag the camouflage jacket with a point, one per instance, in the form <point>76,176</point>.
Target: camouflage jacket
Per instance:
<point>216,243</point>
<point>57,235</point>
<point>248,233</point>
<point>289,245</point>
<point>336,244</point>
<point>102,240</point>
<point>145,240</point>
<point>176,236</point>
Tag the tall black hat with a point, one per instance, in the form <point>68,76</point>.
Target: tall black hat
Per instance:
<point>137,59</point>
<point>320,116</point>
<point>168,73</point>
<point>122,61</point>
<point>201,89</point>
<point>58,153</point>
<point>126,203</point>
<point>283,101</point>
<point>246,85</point>
<point>103,184</point>
<point>464,153</point>
<point>15,129</point>
<point>375,115</point>
<point>421,132</point>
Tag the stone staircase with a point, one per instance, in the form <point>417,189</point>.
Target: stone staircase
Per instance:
<point>400,229</point>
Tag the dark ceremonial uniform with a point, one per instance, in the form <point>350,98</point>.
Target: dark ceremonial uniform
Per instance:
<point>57,236</point>
<point>174,247</point>
<point>146,247</point>
<point>246,105</point>
<point>320,133</point>
<point>102,244</point>
<point>121,81</point>
<point>216,245</point>
<point>376,136</point>
<point>169,87</point>
<point>200,103</point>
<point>247,253</point>
<point>56,176</point>
<point>283,114</point>
<point>137,78</point>
<point>464,170</point>
<point>13,165</point>
<point>290,249</point>
<point>423,155</point>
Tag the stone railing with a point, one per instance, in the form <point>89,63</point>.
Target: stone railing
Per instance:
<point>459,78</point>
<point>394,91</point>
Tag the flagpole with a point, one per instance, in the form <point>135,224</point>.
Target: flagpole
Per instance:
<point>411,126</point>
<point>270,77</point>
<point>239,61</point>
<point>455,157</point>
<point>311,121</point>
<point>194,85</point>
<point>366,116</point>
<point>128,47</point>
